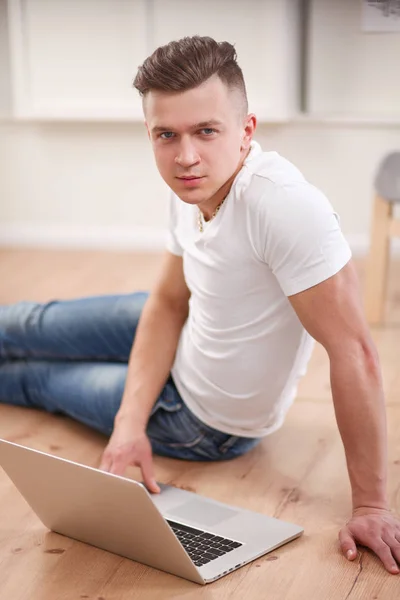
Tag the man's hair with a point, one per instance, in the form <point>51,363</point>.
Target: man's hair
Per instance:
<point>186,63</point>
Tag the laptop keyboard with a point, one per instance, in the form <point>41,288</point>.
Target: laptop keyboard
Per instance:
<point>201,546</point>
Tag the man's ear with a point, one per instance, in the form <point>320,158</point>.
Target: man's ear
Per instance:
<point>250,125</point>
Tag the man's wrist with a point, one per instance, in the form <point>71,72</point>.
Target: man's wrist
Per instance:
<point>134,418</point>
<point>378,502</point>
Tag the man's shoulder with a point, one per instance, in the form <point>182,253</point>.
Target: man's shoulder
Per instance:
<point>267,175</point>
<point>275,187</point>
<point>272,168</point>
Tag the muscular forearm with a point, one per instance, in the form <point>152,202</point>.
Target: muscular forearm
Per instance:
<point>151,359</point>
<point>361,416</point>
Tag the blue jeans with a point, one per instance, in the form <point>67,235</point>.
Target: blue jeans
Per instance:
<point>71,357</point>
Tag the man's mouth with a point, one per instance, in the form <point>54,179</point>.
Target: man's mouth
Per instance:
<point>190,181</point>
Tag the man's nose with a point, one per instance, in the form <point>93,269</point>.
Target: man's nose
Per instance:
<point>187,155</point>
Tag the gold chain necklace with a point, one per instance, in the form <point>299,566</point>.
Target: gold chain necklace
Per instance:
<point>200,216</point>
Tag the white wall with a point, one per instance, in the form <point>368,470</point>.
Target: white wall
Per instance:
<point>5,99</point>
<point>79,184</point>
<point>97,184</point>
<point>350,71</point>
<point>341,160</point>
<point>94,184</point>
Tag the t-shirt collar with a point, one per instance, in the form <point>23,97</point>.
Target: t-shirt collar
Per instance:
<point>255,150</point>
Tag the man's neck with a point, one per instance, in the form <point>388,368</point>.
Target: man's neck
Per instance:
<point>208,207</point>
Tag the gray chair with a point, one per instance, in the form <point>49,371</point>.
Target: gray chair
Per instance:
<point>383,227</point>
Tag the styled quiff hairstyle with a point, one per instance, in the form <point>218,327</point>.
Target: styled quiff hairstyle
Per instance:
<point>186,63</point>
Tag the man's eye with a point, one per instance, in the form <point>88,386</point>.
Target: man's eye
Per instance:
<point>208,130</point>
<point>166,135</point>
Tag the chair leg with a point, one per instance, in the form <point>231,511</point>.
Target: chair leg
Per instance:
<point>378,261</point>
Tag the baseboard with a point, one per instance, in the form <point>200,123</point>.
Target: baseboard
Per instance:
<point>143,239</point>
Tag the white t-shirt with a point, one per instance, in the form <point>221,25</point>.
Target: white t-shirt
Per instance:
<point>243,349</point>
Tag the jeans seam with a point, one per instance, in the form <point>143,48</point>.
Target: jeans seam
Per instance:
<point>168,408</point>
<point>227,445</point>
<point>184,444</point>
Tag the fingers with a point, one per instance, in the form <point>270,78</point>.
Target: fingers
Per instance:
<point>115,463</point>
<point>387,552</point>
<point>105,462</point>
<point>148,473</point>
<point>118,465</point>
<point>391,540</point>
<point>347,544</point>
<point>384,553</point>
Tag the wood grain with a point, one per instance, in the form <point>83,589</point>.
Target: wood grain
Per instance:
<point>297,474</point>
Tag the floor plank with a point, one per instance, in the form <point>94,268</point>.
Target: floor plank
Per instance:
<point>297,474</point>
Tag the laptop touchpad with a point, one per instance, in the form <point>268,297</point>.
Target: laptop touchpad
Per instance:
<point>203,512</point>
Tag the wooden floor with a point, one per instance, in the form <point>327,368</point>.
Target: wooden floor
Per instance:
<point>297,474</point>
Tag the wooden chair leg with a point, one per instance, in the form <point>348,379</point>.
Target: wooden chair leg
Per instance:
<point>378,261</point>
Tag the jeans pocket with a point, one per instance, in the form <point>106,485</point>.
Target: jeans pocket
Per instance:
<point>175,431</point>
<point>170,424</point>
<point>166,403</point>
<point>235,446</point>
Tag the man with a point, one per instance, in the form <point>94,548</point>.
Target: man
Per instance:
<point>256,268</point>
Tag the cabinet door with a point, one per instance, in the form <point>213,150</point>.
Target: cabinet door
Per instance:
<point>78,58</point>
<point>351,72</point>
<point>265,34</point>
<point>5,80</point>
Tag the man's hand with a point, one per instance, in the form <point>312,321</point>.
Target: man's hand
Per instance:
<point>377,529</point>
<point>128,447</point>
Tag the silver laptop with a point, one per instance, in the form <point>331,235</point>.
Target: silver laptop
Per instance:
<point>176,531</point>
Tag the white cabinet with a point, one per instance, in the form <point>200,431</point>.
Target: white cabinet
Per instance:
<point>351,72</point>
<point>266,35</point>
<point>5,76</point>
<point>76,59</point>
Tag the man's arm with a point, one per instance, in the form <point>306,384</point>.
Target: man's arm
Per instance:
<point>156,340</point>
<point>332,313</point>
<point>150,362</point>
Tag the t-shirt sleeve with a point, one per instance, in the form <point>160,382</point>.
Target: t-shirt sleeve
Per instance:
<point>302,240</point>
<point>172,244</point>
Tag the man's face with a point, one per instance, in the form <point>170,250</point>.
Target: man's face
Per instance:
<point>199,138</point>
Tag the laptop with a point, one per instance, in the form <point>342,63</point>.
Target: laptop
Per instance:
<point>177,531</point>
